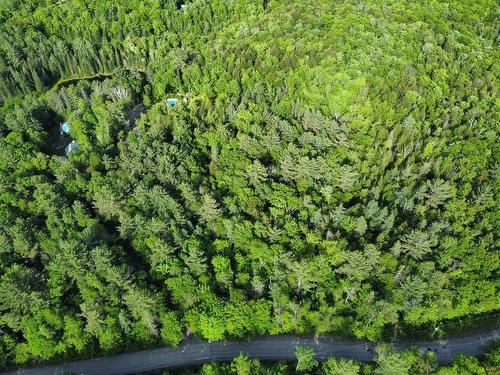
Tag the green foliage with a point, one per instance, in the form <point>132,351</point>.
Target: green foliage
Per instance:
<point>171,329</point>
<point>305,359</point>
<point>340,366</point>
<point>391,362</point>
<point>330,166</point>
<point>411,361</point>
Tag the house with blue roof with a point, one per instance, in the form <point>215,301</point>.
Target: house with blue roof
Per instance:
<point>64,127</point>
<point>171,102</point>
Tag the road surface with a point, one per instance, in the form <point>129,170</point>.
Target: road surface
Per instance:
<point>274,348</point>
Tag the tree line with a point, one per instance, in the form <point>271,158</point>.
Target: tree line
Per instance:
<point>387,362</point>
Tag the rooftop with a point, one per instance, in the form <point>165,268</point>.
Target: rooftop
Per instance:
<point>71,147</point>
<point>171,102</point>
<point>64,127</point>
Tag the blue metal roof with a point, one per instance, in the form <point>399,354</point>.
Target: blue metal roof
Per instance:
<point>64,127</point>
<point>171,102</point>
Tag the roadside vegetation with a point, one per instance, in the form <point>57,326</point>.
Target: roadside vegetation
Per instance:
<point>387,362</point>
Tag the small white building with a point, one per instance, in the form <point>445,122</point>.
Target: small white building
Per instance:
<point>71,147</point>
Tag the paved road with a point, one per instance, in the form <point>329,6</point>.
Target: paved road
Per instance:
<point>264,348</point>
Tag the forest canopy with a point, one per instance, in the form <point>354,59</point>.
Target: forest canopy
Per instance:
<point>327,167</point>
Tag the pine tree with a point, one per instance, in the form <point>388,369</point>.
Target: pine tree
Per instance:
<point>256,173</point>
<point>209,209</point>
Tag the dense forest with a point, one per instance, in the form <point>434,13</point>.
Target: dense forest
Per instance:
<point>327,167</point>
